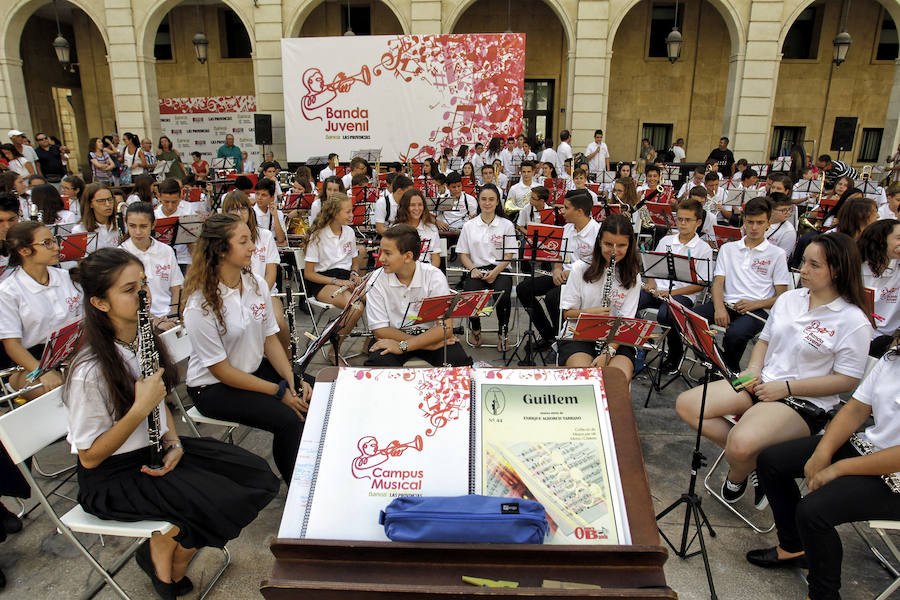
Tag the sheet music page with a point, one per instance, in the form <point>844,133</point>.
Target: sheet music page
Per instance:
<point>546,435</point>
<point>388,433</point>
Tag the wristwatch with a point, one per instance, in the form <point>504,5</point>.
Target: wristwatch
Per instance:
<point>403,346</point>
<point>610,351</point>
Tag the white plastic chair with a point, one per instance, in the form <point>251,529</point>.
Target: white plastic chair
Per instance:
<point>34,426</point>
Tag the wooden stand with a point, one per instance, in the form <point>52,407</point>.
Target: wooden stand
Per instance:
<point>335,569</point>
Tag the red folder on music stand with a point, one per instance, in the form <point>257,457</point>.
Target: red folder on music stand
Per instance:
<point>696,332</point>
<point>173,231</point>
<point>363,193</point>
<point>295,201</point>
<point>640,333</point>
<point>725,234</point>
<point>460,305</point>
<point>661,214</point>
<point>549,216</point>
<point>549,243</point>
<point>61,344</point>
<point>75,246</point>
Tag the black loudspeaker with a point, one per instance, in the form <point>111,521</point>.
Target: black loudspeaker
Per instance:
<point>262,127</point>
<point>844,131</point>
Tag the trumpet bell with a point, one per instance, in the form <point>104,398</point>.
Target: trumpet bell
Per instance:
<point>365,75</point>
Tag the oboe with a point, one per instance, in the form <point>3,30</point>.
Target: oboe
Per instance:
<point>149,364</point>
<point>865,447</point>
<point>606,300</point>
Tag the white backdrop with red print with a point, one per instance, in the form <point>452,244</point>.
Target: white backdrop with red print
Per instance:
<point>200,124</point>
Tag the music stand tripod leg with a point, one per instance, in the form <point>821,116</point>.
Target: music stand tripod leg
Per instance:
<point>693,509</point>
<point>529,340</point>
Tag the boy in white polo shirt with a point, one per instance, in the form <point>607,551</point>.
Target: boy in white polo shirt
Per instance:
<point>750,275</point>
<point>171,205</point>
<point>781,232</point>
<point>532,212</point>
<point>403,280</point>
<point>520,194</point>
<point>685,242</point>
<point>579,236</point>
<point>464,208</point>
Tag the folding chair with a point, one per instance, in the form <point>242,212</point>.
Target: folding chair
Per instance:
<point>882,528</point>
<point>178,347</point>
<point>38,424</point>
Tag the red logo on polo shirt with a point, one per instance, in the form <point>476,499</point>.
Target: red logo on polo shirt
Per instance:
<point>349,248</point>
<point>815,332</point>
<point>889,295</point>
<point>497,240</point>
<point>162,271</point>
<point>261,253</point>
<point>73,302</point>
<point>761,265</point>
<point>259,311</point>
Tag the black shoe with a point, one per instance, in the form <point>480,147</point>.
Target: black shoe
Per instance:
<point>759,494</point>
<point>166,591</point>
<point>768,559</point>
<point>183,586</point>
<point>732,492</point>
<point>669,367</point>
<point>543,344</point>
<point>11,523</point>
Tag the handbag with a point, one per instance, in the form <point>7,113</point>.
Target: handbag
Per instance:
<point>465,519</point>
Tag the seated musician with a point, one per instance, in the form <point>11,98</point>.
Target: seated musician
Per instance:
<point>781,232</point>
<point>580,180</point>
<point>486,245</point>
<point>651,181</point>
<point>715,196</point>
<point>412,212</point>
<point>36,299</point>
<point>706,229</point>
<point>489,175</point>
<point>732,214</point>
<point>268,216</point>
<point>778,182</point>
<point>579,236</point>
<point>585,291</point>
<point>171,205</point>
<point>846,474</point>
<point>464,208</point>
<point>405,279</point>
<point>207,489</point>
<point>164,278</point>
<point>332,185</point>
<point>687,243</point>
<point>97,208</point>
<point>231,323</point>
<point>500,178</point>
<point>695,180</point>
<point>358,166</point>
<point>520,194</point>
<point>813,347</point>
<point>750,275</point>
<point>386,206</point>
<point>331,259</point>
<point>539,196</point>
<point>891,209</point>
<point>9,216</point>
<point>879,246</point>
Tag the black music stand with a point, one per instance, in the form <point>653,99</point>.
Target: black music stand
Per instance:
<point>674,267</point>
<point>542,244</point>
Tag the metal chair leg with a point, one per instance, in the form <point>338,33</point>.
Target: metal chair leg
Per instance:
<point>715,494</point>
<point>226,560</point>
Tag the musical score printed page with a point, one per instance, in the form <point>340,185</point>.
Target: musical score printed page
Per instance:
<point>546,435</point>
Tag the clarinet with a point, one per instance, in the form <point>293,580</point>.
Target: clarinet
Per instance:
<point>606,300</point>
<point>149,363</point>
<point>865,447</point>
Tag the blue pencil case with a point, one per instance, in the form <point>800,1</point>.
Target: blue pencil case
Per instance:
<point>465,519</point>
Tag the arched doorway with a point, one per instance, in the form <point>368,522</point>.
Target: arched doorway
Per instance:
<point>812,94</point>
<point>653,98</point>
<point>546,57</point>
<point>335,18</point>
<point>70,103</point>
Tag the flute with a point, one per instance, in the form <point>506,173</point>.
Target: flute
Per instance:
<point>754,315</point>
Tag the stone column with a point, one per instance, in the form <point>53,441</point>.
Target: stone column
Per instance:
<point>757,82</point>
<point>267,31</point>
<point>14,111</point>
<point>425,17</point>
<point>891,137</point>
<point>132,76</point>
<point>588,76</point>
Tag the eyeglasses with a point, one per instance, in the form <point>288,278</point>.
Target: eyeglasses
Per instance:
<point>50,242</point>
<point>684,221</point>
<point>239,209</point>
<point>103,200</point>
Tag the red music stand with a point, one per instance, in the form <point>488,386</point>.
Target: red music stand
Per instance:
<point>460,305</point>
<point>363,194</point>
<point>661,214</point>
<point>725,234</point>
<point>605,330</point>
<point>549,216</point>
<point>295,201</point>
<point>61,345</point>
<point>75,246</point>
<point>548,239</point>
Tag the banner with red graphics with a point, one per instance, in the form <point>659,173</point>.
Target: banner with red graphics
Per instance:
<point>200,124</point>
<point>409,95</point>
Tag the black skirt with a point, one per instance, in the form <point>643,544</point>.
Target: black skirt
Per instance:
<point>215,491</point>
<point>313,288</point>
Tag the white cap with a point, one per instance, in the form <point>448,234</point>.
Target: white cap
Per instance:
<point>14,132</point>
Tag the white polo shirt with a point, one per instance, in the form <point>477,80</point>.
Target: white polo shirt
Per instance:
<point>751,273</point>
<point>429,232</point>
<point>387,299</point>
<point>382,215</point>
<point>563,151</point>
<point>182,251</point>
<point>598,162</point>
<point>88,400</point>
<point>249,320</point>
<point>577,293</point>
<point>266,253</point>
<point>486,243</point>
<point>314,210</point>
<point>695,248</point>
<point>465,208</point>
<point>579,245</point>
<point>521,193</point>
<point>880,390</point>
<point>330,251</point>
<point>265,219</point>
<point>804,343</point>
<point>347,180</point>
<point>887,290</point>
<point>884,212</point>
<point>106,237</point>
<point>783,235</point>
<point>326,173</point>
<point>31,311</point>
<point>528,215</point>
<point>162,273</point>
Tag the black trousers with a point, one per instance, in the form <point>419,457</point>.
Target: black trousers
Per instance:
<point>529,291</point>
<point>503,306</point>
<point>260,411</point>
<point>740,331</point>
<point>808,524</point>
<point>456,357</point>
<point>664,317</point>
<point>880,345</point>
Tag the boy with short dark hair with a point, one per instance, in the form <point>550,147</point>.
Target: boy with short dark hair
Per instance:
<point>781,232</point>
